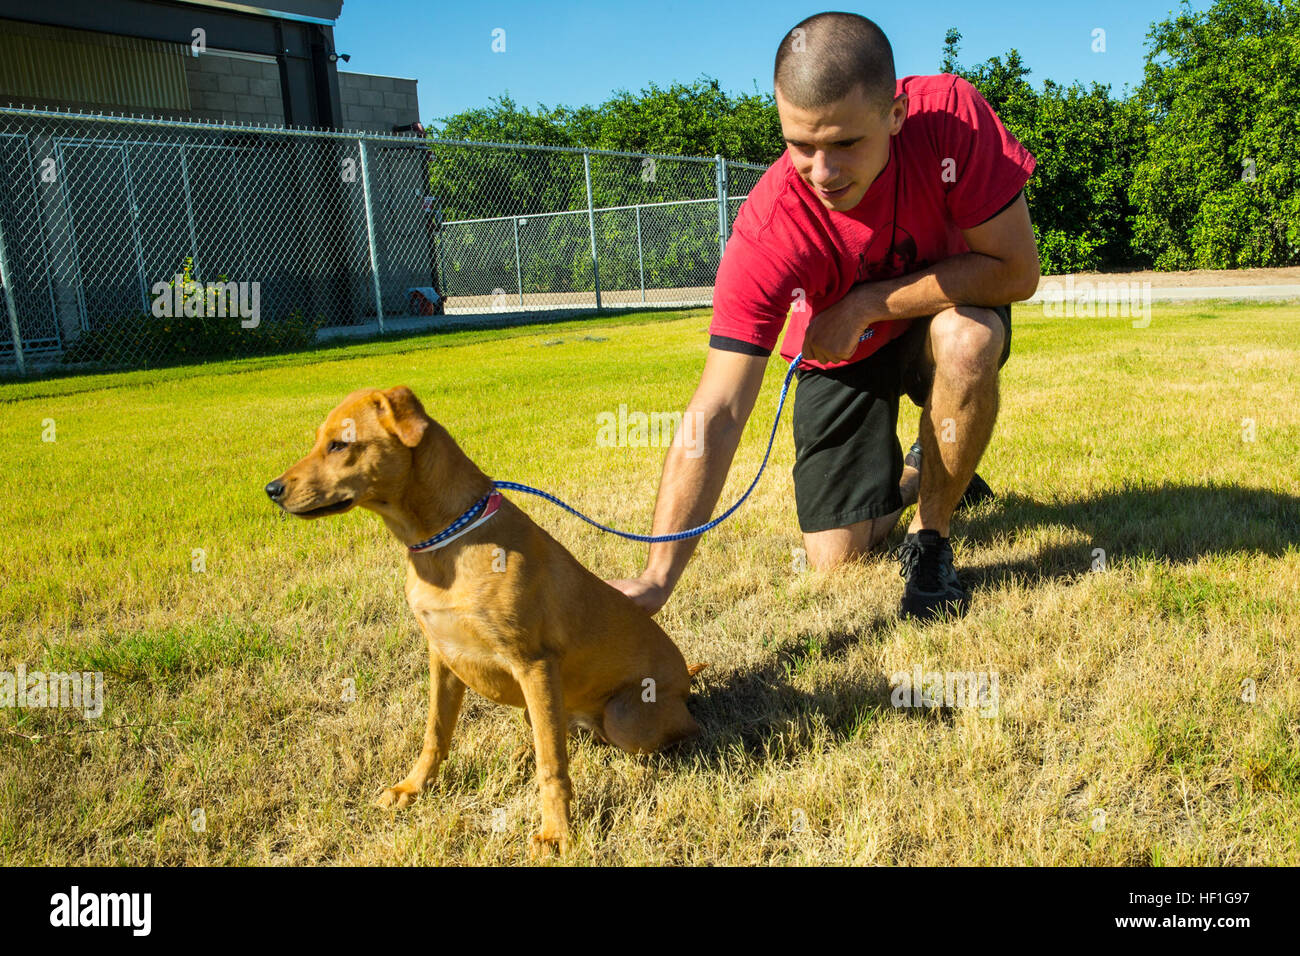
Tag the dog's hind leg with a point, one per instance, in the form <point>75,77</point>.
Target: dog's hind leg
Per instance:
<point>445,695</point>
<point>640,721</point>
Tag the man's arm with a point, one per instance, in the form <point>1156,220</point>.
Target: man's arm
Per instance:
<point>1001,267</point>
<point>690,486</point>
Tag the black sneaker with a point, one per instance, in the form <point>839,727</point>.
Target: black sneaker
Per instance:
<point>977,492</point>
<point>932,589</point>
<point>913,457</point>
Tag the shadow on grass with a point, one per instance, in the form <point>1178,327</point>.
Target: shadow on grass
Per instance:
<point>761,712</point>
<point>1175,523</point>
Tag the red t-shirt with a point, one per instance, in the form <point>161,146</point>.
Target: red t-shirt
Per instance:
<point>954,166</point>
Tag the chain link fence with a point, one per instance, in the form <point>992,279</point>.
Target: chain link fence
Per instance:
<point>134,242</point>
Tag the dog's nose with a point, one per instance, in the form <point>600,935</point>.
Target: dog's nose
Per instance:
<point>275,490</point>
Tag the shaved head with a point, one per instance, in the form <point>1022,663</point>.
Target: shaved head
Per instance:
<point>824,57</point>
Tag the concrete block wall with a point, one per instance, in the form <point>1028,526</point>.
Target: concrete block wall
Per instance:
<point>234,88</point>
<point>377,103</point>
<point>231,87</point>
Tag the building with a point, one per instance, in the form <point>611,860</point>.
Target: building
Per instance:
<point>194,59</point>
<point>235,156</point>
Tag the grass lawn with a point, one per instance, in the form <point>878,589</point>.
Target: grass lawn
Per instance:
<point>1122,735</point>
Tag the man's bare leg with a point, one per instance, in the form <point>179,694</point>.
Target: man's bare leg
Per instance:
<point>964,344</point>
<point>827,549</point>
<point>909,486</point>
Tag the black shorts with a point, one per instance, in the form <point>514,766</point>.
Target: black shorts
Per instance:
<point>848,460</point>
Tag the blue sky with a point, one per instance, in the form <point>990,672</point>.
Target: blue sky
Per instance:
<point>578,52</point>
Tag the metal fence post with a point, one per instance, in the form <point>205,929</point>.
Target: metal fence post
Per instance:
<point>439,270</point>
<point>7,280</point>
<point>591,222</point>
<point>519,271</point>
<point>722,204</point>
<point>370,234</point>
<point>640,258</point>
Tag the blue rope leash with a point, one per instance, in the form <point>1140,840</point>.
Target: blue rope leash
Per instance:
<point>690,532</point>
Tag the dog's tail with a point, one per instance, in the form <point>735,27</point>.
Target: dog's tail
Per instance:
<point>695,669</point>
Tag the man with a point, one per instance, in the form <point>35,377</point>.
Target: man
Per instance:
<point>896,211</point>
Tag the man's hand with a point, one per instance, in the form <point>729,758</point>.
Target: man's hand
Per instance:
<point>646,594</point>
<point>834,333</point>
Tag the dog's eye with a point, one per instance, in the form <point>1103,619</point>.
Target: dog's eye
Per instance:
<point>337,446</point>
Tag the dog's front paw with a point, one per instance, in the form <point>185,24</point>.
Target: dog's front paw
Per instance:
<point>398,796</point>
<point>545,843</point>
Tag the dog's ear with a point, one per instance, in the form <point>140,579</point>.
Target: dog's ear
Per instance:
<point>402,414</point>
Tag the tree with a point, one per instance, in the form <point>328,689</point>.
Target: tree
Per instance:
<point>951,43</point>
<point>1217,180</point>
<point>696,119</point>
<point>1083,144</point>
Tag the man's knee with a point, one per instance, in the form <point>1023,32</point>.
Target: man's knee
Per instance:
<point>829,549</point>
<point>966,341</point>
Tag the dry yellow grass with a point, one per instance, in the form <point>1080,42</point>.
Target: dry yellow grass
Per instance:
<point>1120,690</point>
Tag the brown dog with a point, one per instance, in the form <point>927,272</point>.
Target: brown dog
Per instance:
<point>505,608</point>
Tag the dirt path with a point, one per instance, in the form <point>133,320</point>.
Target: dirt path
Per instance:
<point>1287,275</point>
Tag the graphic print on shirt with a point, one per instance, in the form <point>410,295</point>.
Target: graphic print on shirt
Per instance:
<point>876,262</point>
